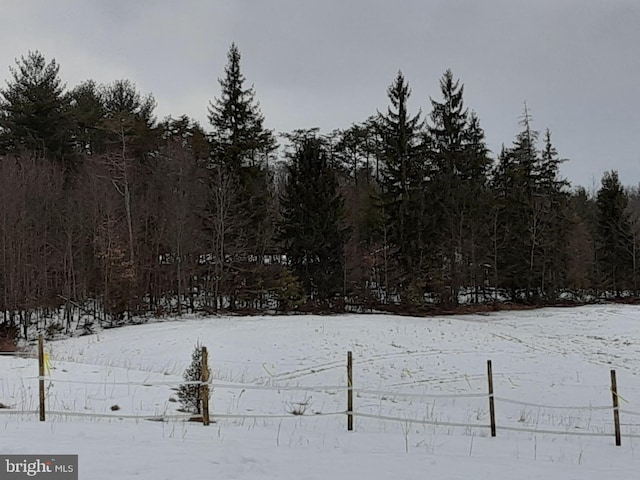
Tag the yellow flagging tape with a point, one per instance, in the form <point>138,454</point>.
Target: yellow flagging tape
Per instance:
<point>620,397</point>
<point>47,364</point>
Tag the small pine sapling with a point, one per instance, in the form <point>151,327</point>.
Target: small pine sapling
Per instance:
<point>190,394</point>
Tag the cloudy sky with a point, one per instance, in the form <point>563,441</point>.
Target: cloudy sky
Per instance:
<point>328,63</point>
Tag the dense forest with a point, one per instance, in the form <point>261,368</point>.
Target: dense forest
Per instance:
<point>106,210</point>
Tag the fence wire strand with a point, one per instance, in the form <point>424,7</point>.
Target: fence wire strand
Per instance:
<point>554,432</point>
<point>418,421</point>
<point>419,395</point>
<point>114,383</point>
<point>189,417</point>
<point>244,386</point>
<point>553,407</point>
<point>8,411</point>
<point>630,412</point>
<point>20,354</point>
<point>117,416</point>
<point>276,415</point>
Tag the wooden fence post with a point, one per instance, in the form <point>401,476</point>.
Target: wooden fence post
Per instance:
<point>41,376</point>
<point>616,410</point>
<point>204,388</point>
<point>349,392</point>
<point>492,408</point>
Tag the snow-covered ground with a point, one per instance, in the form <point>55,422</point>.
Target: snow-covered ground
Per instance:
<point>551,374</point>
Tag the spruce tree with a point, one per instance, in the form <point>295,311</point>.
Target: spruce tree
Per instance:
<point>478,202</point>
<point>190,394</point>
<point>531,228</point>
<point>458,175</point>
<point>614,238</point>
<point>243,146</point>
<point>514,234</point>
<point>239,138</point>
<point>402,198</point>
<point>552,205</point>
<point>311,229</point>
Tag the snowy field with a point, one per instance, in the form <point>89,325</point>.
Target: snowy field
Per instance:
<point>421,403</point>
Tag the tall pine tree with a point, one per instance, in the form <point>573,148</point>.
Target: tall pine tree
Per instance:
<point>242,146</point>
<point>402,197</point>
<point>458,176</point>
<point>34,111</point>
<point>239,138</point>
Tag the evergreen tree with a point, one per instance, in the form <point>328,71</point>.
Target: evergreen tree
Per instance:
<point>551,205</point>
<point>88,111</point>
<point>243,146</point>
<point>614,238</point>
<point>353,152</point>
<point>514,183</point>
<point>458,176</point>
<point>34,111</point>
<point>311,229</point>
<point>402,197</point>
<point>127,112</point>
<point>239,138</point>
<point>190,394</point>
<point>532,223</point>
<point>507,227</point>
<point>478,202</point>
<point>188,134</point>
<point>122,100</point>
<point>103,113</point>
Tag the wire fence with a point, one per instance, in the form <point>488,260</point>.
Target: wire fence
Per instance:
<point>554,407</point>
<point>607,430</point>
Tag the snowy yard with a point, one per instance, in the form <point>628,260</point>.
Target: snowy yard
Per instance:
<point>551,373</point>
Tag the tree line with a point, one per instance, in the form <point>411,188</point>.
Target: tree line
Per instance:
<point>105,207</point>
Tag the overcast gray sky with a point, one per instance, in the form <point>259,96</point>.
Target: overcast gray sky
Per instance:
<point>328,63</point>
